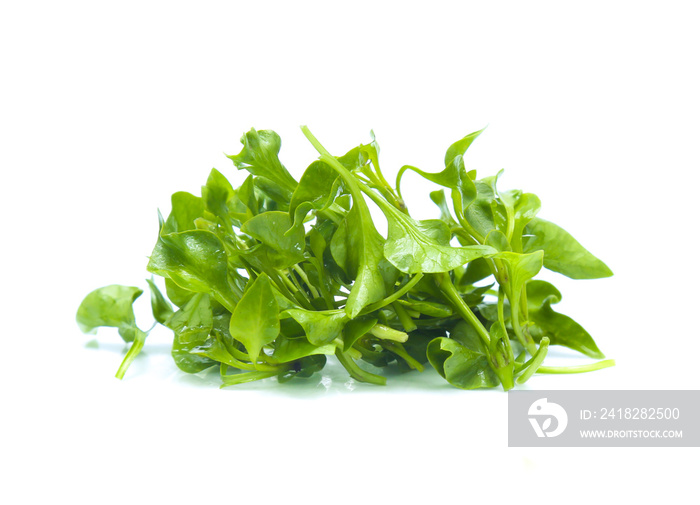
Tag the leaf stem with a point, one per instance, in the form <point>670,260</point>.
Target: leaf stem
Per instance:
<point>305,278</point>
<point>400,351</point>
<point>356,372</point>
<point>133,351</point>
<point>599,365</point>
<point>445,284</point>
<point>404,317</point>
<point>394,296</point>
<point>535,363</point>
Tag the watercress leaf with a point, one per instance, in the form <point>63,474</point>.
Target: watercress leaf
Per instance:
<point>186,360</point>
<point>317,186</point>
<point>246,195</point>
<point>411,246</point>
<point>356,329</point>
<point>291,349</point>
<point>538,291</point>
<point>562,253</point>
<point>272,195</point>
<point>454,176</point>
<point>357,248</point>
<point>160,307</point>
<point>561,329</point>
<point>179,296</point>
<point>485,214</point>
<point>520,268</point>
<point>321,327</point>
<point>525,209</point>
<point>259,156</point>
<point>194,260</point>
<point>460,366</point>
<point>110,306</point>
<point>272,228</point>
<point>498,241</point>
<point>185,209</point>
<point>460,147</point>
<point>193,323</point>
<point>439,199</point>
<point>216,194</point>
<point>304,367</point>
<point>255,320</point>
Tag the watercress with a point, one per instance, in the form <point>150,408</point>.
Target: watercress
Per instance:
<point>272,278</point>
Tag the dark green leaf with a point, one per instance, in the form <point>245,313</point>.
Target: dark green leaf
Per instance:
<point>161,308</point>
<point>460,366</point>
<point>255,321</point>
<point>562,253</point>
<point>561,329</point>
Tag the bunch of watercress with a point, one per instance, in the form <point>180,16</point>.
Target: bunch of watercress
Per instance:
<point>270,278</point>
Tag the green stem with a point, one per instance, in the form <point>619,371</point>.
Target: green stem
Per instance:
<point>305,278</point>
<point>502,321</point>
<point>133,351</point>
<point>535,363</point>
<point>386,333</point>
<point>529,344</point>
<point>356,372</point>
<point>446,286</point>
<point>404,318</point>
<point>322,282</point>
<point>599,365</point>
<point>240,378</point>
<point>400,351</point>
<point>394,296</point>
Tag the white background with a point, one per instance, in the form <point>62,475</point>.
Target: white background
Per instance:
<point>106,108</point>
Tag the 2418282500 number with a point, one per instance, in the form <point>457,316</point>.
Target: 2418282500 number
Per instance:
<point>640,413</point>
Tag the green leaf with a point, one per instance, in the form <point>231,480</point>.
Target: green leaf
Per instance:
<point>454,177</point>
<point>525,209</point>
<point>195,260</point>
<point>460,147</point>
<point>462,367</point>
<point>255,320</point>
<point>285,246</point>
<point>538,291</point>
<point>356,329</point>
<point>321,327</point>
<point>179,296</point>
<point>259,156</point>
<point>357,247</point>
<point>438,198</point>
<point>420,246</point>
<point>162,310</point>
<point>519,269</point>
<point>561,329</point>
<point>562,253</point>
<point>216,194</point>
<point>188,361</point>
<point>110,306</point>
<point>193,323</point>
<point>186,208</point>
<point>303,367</point>
<point>316,186</point>
<point>292,349</point>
